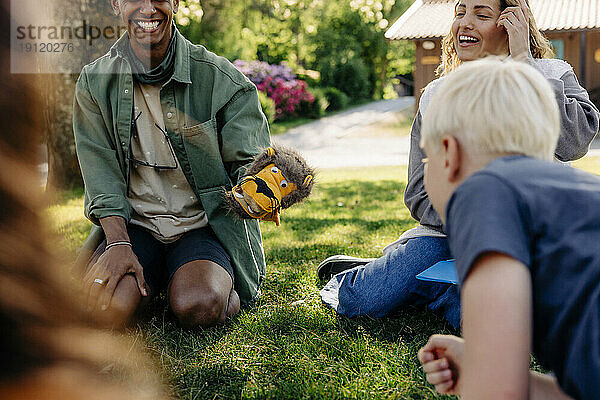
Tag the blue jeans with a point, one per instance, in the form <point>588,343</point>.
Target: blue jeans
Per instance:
<point>389,282</point>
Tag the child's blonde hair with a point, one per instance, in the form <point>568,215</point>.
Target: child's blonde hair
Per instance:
<point>494,107</point>
<point>539,46</point>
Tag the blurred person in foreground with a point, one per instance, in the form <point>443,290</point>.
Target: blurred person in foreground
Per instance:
<point>163,129</point>
<point>48,350</point>
<point>524,231</point>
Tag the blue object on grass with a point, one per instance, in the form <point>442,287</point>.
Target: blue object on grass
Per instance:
<point>443,271</point>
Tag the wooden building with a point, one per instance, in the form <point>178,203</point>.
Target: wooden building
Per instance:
<point>573,27</point>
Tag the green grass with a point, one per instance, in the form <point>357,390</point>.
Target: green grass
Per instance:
<point>589,164</point>
<point>288,346</point>
<point>66,215</point>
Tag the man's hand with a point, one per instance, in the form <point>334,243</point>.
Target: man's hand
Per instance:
<point>442,358</point>
<point>516,22</point>
<point>102,278</point>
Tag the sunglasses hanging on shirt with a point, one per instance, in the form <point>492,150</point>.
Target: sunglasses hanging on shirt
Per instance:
<point>147,163</point>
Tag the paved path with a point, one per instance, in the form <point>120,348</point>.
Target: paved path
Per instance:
<point>335,142</point>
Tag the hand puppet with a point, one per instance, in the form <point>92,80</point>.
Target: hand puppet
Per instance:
<point>277,179</point>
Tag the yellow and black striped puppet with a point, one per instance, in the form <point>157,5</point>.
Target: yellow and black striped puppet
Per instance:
<point>277,179</point>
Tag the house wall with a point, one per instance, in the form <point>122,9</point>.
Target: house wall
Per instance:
<point>426,61</point>
<point>572,42</point>
<point>592,65</point>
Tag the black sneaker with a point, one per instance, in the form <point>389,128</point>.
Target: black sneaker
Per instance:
<point>335,264</point>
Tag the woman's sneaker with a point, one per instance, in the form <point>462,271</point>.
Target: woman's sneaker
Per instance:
<point>335,264</point>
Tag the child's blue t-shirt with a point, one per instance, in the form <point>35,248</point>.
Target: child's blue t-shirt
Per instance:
<point>547,216</point>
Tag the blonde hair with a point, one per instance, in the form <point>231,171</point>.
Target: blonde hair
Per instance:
<point>494,107</point>
<point>539,46</point>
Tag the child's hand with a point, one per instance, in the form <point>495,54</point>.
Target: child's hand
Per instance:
<point>441,358</point>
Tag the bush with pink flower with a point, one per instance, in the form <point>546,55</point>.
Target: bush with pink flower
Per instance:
<point>279,83</point>
<point>287,95</point>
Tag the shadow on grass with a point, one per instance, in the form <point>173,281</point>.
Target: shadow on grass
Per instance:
<point>408,324</point>
<point>214,381</point>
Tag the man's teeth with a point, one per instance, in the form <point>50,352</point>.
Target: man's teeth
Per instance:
<point>148,25</point>
<point>463,38</point>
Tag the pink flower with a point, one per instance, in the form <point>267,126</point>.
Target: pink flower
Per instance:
<point>287,95</point>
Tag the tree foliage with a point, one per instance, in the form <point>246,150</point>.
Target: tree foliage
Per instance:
<point>310,34</point>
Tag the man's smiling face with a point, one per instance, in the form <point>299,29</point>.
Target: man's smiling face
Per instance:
<point>148,22</point>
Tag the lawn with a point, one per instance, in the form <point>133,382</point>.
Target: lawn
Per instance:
<point>288,346</point>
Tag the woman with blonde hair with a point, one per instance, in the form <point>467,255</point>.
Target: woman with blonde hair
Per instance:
<point>539,46</point>
<point>481,28</point>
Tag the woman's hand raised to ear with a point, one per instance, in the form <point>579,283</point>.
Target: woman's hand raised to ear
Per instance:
<point>516,22</point>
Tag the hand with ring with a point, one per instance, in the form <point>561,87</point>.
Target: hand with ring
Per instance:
<point>102,278</point>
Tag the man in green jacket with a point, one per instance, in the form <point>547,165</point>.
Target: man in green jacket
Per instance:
<point>163,128</point>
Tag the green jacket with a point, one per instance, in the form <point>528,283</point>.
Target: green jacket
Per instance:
<point>213,117</point>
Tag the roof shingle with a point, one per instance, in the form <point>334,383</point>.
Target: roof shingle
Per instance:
<point>433,18</point>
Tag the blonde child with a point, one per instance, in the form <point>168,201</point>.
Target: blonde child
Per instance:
<point>525,233</point>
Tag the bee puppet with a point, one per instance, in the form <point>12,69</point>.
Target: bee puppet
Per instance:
<point>277,178</point>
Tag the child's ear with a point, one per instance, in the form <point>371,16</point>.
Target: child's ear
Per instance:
<point>452,157</point>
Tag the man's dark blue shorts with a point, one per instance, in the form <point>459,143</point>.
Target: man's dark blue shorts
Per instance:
<point>161,260</point>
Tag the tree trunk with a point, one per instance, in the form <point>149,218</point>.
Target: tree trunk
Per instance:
<point>63,167</point>
<point>58,89</point>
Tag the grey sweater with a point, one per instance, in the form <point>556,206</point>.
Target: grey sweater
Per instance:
<point>580,123</point>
